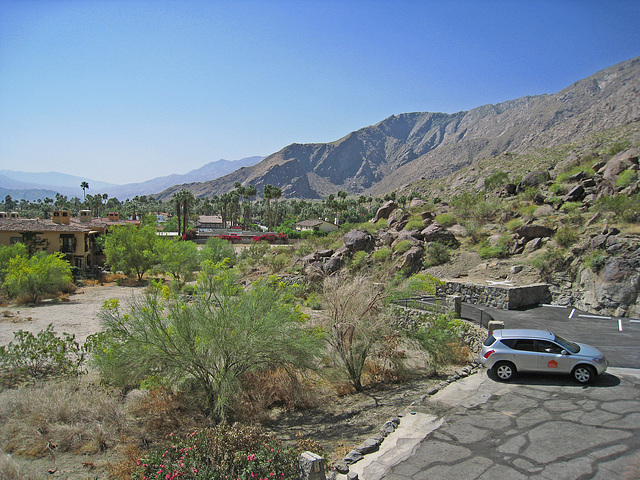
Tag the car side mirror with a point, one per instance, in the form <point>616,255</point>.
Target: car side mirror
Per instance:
<point>564,352</point>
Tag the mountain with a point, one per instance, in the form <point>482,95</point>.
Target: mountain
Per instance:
<point>31,186</point>
<point>407,147</point>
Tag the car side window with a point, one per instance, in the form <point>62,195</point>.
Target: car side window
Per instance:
<point>545,346</point>
<point>526,344</point>
<point>509,342</point>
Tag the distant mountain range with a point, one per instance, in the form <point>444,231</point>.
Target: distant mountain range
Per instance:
<point>408,147</point>
<point>32,186</point>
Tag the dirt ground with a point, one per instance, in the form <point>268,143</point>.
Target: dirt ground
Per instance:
<point>78,315</point>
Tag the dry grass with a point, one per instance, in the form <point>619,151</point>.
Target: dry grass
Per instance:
<point>60,417</point>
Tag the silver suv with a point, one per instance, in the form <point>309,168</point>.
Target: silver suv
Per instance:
<point>509,351</point>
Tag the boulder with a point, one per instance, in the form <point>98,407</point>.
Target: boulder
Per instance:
<point>437,233</point>
<point>533,230</point>
<point>407,235</point>
<point>357,240</point>
<point>576,194</point>
<point>532,246</point>
<point>417,202</point>
<point>534,179</point>
<point>398,219</point>
<point>333,264</point>
<point>411,261</point>
<point>386,238</point>
<point>619,163</point>
<point>384,211</point>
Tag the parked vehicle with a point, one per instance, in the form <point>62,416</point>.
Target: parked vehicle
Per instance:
<point>508,351</point>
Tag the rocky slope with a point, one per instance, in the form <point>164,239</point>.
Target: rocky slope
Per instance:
<point>403,148</point>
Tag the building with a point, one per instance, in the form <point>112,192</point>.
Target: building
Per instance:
<point>317,225</point>
<point>74,237</point>
<point>206,223</point>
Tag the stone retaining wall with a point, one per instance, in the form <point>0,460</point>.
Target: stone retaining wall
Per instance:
<point>503,297</point>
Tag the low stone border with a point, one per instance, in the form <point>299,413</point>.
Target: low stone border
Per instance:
<point>373,443</point>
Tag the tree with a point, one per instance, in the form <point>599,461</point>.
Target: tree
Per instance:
<point>217,249</point>
<point>38,275</point>
<point>210,344</point>
<point>131,249</point>
<point>7,253</point>
<point>180,259</point>
<point>84,185</point>
<point>356,322</point>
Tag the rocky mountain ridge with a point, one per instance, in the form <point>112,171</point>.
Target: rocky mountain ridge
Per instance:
<point>406,147</point>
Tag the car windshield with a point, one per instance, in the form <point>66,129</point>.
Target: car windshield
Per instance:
<point>567,345</point>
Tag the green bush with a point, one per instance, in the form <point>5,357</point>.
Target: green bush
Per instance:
<point>414,223</point>
<point>44,354</point>
<point>382,255</point>
<point>237,451</point>
<point>626,178</point>
<point>437,254</point>
<point>499,250</point>
<point>617,147</point>
<point>217,249</point>
<point>549,262</point>
<point>513,224</point>
<point>625,207</point>
<point>446,219</point>
<point>358,261</point>
<point>566,236</point>
<point>37,276</point>
<point>495,180</point>
<point>595,260</point>
<point>403,247</point>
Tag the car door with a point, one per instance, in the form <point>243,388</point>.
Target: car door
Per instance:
<point>550,358</point>
<point>525,356</point>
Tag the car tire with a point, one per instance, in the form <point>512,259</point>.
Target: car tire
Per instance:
<point>504,371</point>
<point>584,374</point>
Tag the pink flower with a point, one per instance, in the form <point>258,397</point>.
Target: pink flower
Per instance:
<point>251,457</point>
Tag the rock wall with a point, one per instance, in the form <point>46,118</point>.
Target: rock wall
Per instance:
<point>499,296</point>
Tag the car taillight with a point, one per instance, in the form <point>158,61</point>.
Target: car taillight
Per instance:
<point>489,353</point>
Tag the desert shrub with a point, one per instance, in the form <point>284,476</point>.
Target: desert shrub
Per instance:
<point>278,262</point>
<point>44,354</point>
<point>211,340</point>
<point>625,207</point>
<point>10,470</point>
<point>236,451</point>
<point>9,252</point>
<point>414,223</point>
<point>549,262</point>
<point>617,147</point>
<point>595,260</point>
<point>566,236</point>
<point>381,223</point>
<point>313,301</point>
<point>76,417</point>
<point>495,180</point>
<point>264,389</point>
<point>37,276</point>
<point>446,219</point>
<point>358,261</point>
<point>513,224</point>
<point>382,255</point>
<point>160,411</point>
<point>436,254</point>
<point>558,188</point>
<point>626,178</point>
<point>217,249</point>
<point>476,206</point>
<point>439,336</point>
<point>571,207</point>
<point>498,250</point>
<point>475,232</point>
<point>255,252</point>
<point>403,247</point>
<point>528,211</point>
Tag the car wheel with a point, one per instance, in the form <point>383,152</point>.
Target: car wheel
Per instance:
<point>504,371</point>
<point>584,374</point>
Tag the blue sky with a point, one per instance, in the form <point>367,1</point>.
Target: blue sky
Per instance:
<point>127,90</point>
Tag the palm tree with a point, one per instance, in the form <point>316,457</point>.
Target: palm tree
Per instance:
<point>84,186</point>
<point>268,195</point>
<point>250,192</point>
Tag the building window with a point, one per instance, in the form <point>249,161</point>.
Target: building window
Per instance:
<point>68,243</point>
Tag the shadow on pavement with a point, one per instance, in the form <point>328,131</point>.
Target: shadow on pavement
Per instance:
<point>603,381</point>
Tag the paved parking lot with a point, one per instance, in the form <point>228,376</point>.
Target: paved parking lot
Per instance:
<point>618,338</point>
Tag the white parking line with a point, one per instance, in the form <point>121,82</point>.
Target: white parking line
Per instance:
<point>619,324</point>
<point>572,312</point>
<point>595,316</point>
<point>634,321</point>
<point>553,306</point>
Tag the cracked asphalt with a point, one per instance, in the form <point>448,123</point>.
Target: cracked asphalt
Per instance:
<point>534,427</point>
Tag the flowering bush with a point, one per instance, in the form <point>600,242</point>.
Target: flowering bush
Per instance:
<point>190,235</point>
<point>221,452</point>
<point>270,237</point>
<point>229,238</point>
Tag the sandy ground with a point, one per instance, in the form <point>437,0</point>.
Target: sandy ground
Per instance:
<point>79,315</point>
